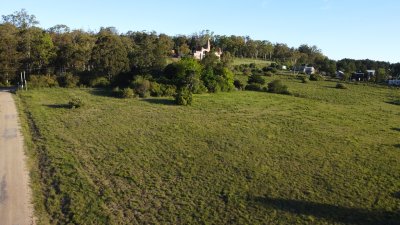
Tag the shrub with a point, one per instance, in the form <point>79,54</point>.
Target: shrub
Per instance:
<point>68,80</point>
<point>155,89</point>
<point>42,81</point>
<point>268,74</point>
<point>316,77</point>
<point>76,102</point>
<point>253,87</point>
<point>238,84</point>
<point>278,87</point>
<point>270,69</point>
<point>256,79</point>
<point>116,92</point>
<point>168,90</point>
<point>184,97</point>
<point>303,79</point>
<point>100,82</point>
<point>127,93</point>
<point>341,86</point>
<point>141,86</point>
<point>246,72</point>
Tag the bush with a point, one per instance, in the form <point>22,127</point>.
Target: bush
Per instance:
<point>316,77</point>
<point>238,84</point>
<point>68,80</point>
<point>42,81</point>
<point>278,87</point>
<point>155,89</point>
<point>253,87</point>
<point>303,79</point>
<point>100,82</point>
<point>141,86</point>
<point>341,86</point>
<point>168,90</point>
<point>256,79</point>
<point>127,93</point>
<point>270,69</point>
<point>116,92</point>
<point>184,97</point>
<point>76,102</point>
<point>268,74</point>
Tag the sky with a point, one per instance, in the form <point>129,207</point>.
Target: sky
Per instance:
<point>358,29</point>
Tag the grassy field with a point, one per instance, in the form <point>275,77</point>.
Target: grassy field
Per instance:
<point>326,156</point>
<point>258,62</point>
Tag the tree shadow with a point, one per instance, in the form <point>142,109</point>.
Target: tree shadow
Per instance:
<point>393,102</point>
<point>159,101</point>
<point>331,212</point>
<point>58,106</point>
<point>396,129</point>
<point>397,145</point>
<point>102,92</point>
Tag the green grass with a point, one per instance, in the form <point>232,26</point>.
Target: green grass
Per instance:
<point>327,156</point>
<point>258,62</point>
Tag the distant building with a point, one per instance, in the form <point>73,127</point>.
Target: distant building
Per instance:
<point>305,69</point>
<point>201,53</point>
<point>371,73</point>
<point>339,74</point>
<point>360,76</point>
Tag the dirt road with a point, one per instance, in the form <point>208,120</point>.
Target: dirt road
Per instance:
<point>15,194</point>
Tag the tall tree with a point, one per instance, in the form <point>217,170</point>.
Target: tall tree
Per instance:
<point>21,19</point>
<point>9,56</point>
<point>109,55</point>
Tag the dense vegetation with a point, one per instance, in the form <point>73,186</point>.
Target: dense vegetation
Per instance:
<point>326,156</point>
<point>118,58</point>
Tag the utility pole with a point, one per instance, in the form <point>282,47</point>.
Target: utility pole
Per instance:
<point>26,84</point>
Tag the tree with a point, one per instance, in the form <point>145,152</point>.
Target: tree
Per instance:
<point>380,75</point>
<point>21,19</point>
<point>42,48</point>
<point>109,55</point>
<point>9,56</point>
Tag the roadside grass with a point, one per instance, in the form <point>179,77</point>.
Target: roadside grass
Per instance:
<point>325,156</point>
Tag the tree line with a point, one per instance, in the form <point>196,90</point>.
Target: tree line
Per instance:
<point>120,57</point>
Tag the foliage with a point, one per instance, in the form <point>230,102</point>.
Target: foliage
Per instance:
<point>253,87</point>
<point>68,80</point>
<point>341,86</point>
<point>256,79</point>
<point>142,86</point>
<point>76,102</point>
<point>127,93</point>
<point>184,96</point>
<point>100,82</point>
<point>316,77</point>
<point>109,55</point>
<point>168,90</point>
<point>239,85</point>
<point>42,81</point>
<point>303,78</point>
<point>276,86</point>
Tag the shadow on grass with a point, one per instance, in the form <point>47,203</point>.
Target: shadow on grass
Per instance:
<point>331,212</point>
<point>103,92</point>
<point>394,102</point>
<point>160,101</point>
<point>397,146</point>
<point>59,106</point>
<point>396,129</point>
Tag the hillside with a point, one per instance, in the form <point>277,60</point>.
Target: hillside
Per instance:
<point>325,156</point>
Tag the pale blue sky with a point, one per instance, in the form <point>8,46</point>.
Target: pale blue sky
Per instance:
<point>357,29</point>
